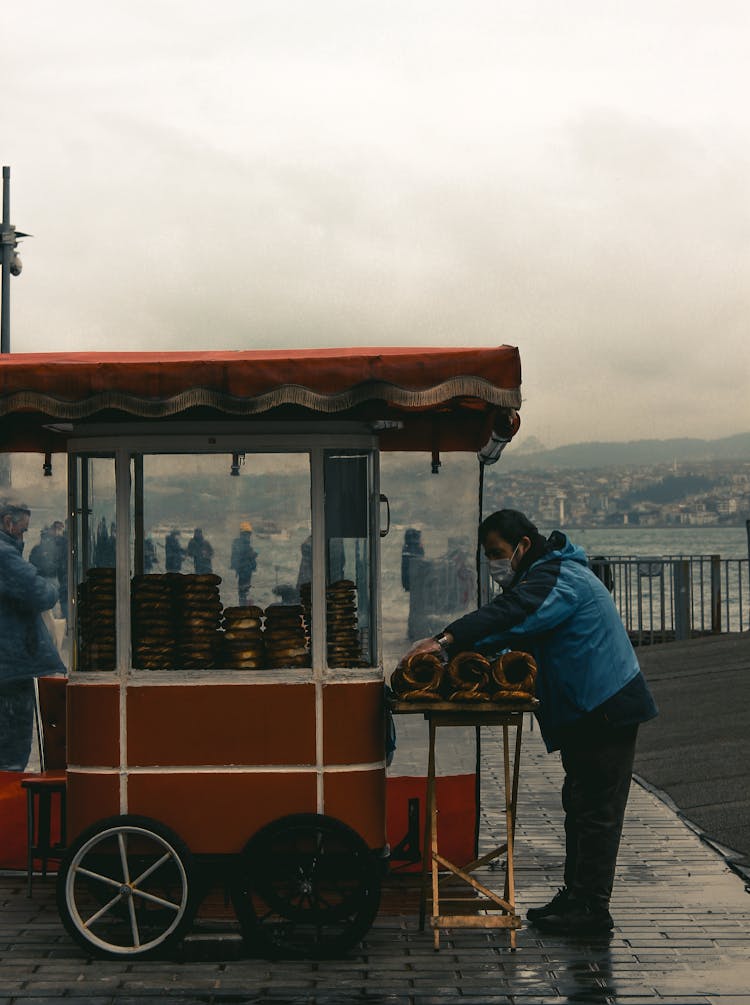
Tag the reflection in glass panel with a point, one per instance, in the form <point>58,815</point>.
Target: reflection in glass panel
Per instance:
<point>349,634</point>
<point>428,561</point>
<point>94,563</point>
<point>219,561</point>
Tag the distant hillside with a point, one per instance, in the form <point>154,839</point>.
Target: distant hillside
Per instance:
<point>634,452</point>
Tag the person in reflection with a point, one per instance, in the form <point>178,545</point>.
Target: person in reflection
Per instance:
<point>50,557</point>
<point>412,548</point>
<point>149,555</point>
<point>61,559</point>
<point>26,648</point>
<point>592,697</point>
<point>201,552</point>
<point>244,562</point>
<point>174,552</point>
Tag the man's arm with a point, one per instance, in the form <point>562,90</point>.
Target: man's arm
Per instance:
<point>535,605</point>
<point>26,586</point>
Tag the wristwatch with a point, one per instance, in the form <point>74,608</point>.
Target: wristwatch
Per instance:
<point>442,640</point>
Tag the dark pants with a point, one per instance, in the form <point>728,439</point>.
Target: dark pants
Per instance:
<point>17,705</point>
<point>598,763</point>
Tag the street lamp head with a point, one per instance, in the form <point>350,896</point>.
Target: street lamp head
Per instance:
<point>16,265</point>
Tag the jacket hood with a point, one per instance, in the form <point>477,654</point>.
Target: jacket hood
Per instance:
<point>559,546</point>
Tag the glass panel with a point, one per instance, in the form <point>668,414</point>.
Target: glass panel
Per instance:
<point>219,551</point>
<point>94,563</point>
<point>349,621</point>
<point>428,561</point>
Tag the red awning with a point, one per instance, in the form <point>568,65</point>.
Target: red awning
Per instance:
<point>41,388</point>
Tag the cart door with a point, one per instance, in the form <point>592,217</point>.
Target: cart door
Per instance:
<point>351,558</point>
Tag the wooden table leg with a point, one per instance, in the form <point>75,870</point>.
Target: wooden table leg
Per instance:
<point>428,814</point>
<point>509,827</point>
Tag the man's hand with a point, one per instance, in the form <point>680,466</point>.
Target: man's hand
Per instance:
<point>426,646</point>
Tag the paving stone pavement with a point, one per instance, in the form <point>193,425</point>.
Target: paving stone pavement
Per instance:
<point>682,934</point>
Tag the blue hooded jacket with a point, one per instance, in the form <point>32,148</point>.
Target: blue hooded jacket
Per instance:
<point>26,648</point>
<point>559,611</point>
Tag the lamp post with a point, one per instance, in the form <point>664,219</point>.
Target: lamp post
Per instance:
<point>11,263</point>
<point>11,266</point>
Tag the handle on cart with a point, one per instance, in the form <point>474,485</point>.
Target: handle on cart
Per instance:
<point>384,499</point>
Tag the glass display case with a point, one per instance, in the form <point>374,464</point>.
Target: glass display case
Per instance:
<point>220,555</point>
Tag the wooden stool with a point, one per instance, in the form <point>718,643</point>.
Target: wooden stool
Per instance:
<point>40,792</point>
<point>51,780</point>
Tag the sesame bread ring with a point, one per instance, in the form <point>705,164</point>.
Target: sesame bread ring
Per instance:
<point>277,610</point>
<point>468,677</point>
<point>240,633</point>
<point>242,624</point>
<point>418,677</point>
<point>251,611</point>
<point>514,673</point>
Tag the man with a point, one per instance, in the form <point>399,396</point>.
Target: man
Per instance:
<point>413,548</point>
<point>200,551</point>
<point>244,561</point>
<point>50,557</point>
<point>591,691</point>
<point>175,553</point>
<point>26,649</point>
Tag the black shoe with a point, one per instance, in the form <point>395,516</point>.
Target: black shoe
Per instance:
<point>576,917</point>
<point>555,905</point>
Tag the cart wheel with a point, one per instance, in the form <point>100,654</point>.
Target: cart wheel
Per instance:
<point>307,887</point>
<point>124,888</point>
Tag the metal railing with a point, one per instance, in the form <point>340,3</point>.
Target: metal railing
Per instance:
<point>665,598</point>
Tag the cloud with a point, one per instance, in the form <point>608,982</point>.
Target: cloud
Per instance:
<point>285,174</point>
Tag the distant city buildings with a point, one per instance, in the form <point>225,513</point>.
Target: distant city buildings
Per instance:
<point>659,495</point>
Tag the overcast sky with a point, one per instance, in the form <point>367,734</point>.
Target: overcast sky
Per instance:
<point>569,177</point>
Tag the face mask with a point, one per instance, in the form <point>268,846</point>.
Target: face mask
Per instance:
<point>501,569</point>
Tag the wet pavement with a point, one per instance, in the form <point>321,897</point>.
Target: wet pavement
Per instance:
<point>697,752</point>
<point>682,931</point>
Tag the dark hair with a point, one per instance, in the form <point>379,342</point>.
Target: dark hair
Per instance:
<point>13,508</point>
<point>510,524</point>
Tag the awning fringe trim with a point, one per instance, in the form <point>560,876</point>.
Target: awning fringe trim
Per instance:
<point>287,394</point>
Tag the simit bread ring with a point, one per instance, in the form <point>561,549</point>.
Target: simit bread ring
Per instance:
<point>468,678</point>
<point>418,677</point>
<point>514,674</point>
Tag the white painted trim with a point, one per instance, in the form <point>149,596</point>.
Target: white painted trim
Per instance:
<point>319,789</point>
<point>122,606</point>
<point>229,769</point>
<point>179,678</point>
<point>297,439</point>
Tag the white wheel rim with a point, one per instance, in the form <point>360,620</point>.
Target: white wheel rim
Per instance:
<point>129,889</point>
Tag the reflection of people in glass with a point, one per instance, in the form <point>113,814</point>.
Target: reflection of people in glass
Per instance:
<point>50,557</point>
<point>175,553</point>
<point>462,574</point>
<point>26,649</point>
<point>200,551</point>
<point>105,545</point>
<point>305,564</point>
<point>336,561</point>
<point>61,547</point>
<point>413,548</point>
<point>244,561</point>
<point>149,555</point>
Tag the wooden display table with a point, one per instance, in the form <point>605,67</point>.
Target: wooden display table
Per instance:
<point>445,713</point>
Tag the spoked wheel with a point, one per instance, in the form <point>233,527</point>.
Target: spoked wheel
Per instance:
<point>307,887</point>
<point>124,887</point>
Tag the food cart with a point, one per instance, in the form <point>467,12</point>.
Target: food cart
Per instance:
<point>207,734</point>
